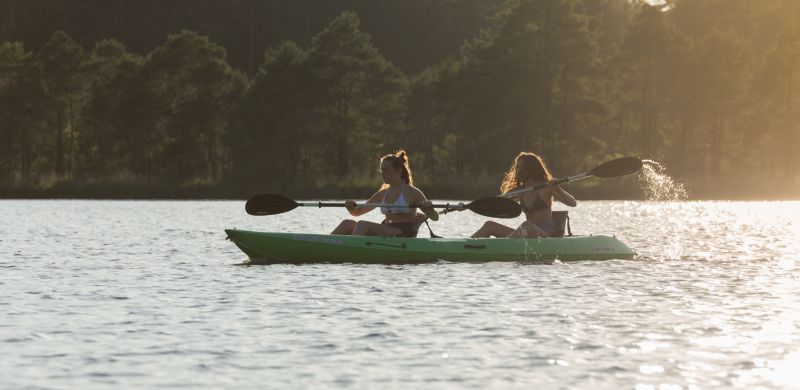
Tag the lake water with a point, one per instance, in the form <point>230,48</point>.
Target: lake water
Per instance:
<point>143,294</point>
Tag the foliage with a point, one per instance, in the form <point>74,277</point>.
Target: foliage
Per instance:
<point>707,86</point>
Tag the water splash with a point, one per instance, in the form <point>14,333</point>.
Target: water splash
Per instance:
<point>525,245</point>
<point>674,249</point>
<point>659,185</point>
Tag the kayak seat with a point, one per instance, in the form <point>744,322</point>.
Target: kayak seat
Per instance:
<point>561,222</point>
<point>413,230</point>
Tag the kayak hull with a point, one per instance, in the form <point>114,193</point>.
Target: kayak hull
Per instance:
<point>295,248</point>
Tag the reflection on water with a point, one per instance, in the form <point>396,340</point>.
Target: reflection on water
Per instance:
<point>100,294</point>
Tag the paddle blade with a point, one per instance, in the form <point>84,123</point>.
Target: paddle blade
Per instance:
<point>618,167</point>
<point>269,204</point>
<point>495,207</point>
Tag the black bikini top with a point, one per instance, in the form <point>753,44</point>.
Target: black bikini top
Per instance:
<point>538,204</point>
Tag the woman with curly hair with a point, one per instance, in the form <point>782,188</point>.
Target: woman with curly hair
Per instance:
<point>527,170</point>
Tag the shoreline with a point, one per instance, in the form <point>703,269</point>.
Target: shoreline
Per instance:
<point>612,189</point>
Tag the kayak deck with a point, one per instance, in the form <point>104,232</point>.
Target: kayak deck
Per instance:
<point>295,248</point>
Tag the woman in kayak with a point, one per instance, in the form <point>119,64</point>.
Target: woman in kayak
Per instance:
<point>529,169</point>
<point>399,191</point>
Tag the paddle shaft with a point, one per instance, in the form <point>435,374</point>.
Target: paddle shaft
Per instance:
<point>340,204</point>
<point>544,185</point>
<point>271,204</point>
<point>618,167</point>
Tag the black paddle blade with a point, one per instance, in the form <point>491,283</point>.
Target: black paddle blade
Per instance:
<point>269,204</point>
<point>618,167</point>
<point>495,207</point>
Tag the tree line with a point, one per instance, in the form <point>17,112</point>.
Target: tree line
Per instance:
<point>705,86</point>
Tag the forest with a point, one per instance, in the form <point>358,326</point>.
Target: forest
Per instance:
<point>225,99</point>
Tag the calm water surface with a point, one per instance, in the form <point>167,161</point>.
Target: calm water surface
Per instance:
<point>143,294</point>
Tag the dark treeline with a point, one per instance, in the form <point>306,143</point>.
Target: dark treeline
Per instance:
<point>705,86</point>
<point>411,34</point>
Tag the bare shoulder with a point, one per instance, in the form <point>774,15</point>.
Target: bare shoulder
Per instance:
<point>377,195</point>
<point>415,192</point>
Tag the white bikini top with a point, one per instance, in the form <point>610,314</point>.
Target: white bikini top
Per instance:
<point>401,209</point>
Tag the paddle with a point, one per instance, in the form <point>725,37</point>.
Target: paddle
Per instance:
<point>271,204</point>
<point>614,168</point>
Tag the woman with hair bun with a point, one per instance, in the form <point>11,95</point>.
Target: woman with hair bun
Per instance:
<point>399,191</point>
<point>527,170</point>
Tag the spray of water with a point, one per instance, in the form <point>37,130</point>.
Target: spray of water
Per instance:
<point>526,247</point>
<point>530,254</point>
<point>660,186</point>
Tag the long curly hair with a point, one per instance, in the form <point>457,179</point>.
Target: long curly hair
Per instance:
<point>399,160</point>
<point>527,169</point>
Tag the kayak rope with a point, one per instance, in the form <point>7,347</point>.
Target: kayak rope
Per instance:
<point>430,230</point>
<point>569,229</point>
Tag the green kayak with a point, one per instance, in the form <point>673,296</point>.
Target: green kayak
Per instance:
<point>272,248</point>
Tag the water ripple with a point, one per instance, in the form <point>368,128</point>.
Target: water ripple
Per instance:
<point>143,294</point>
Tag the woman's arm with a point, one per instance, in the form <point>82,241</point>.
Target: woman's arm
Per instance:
<point>563,196</point>
<point>425,205</point>
<point>358,211</point>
